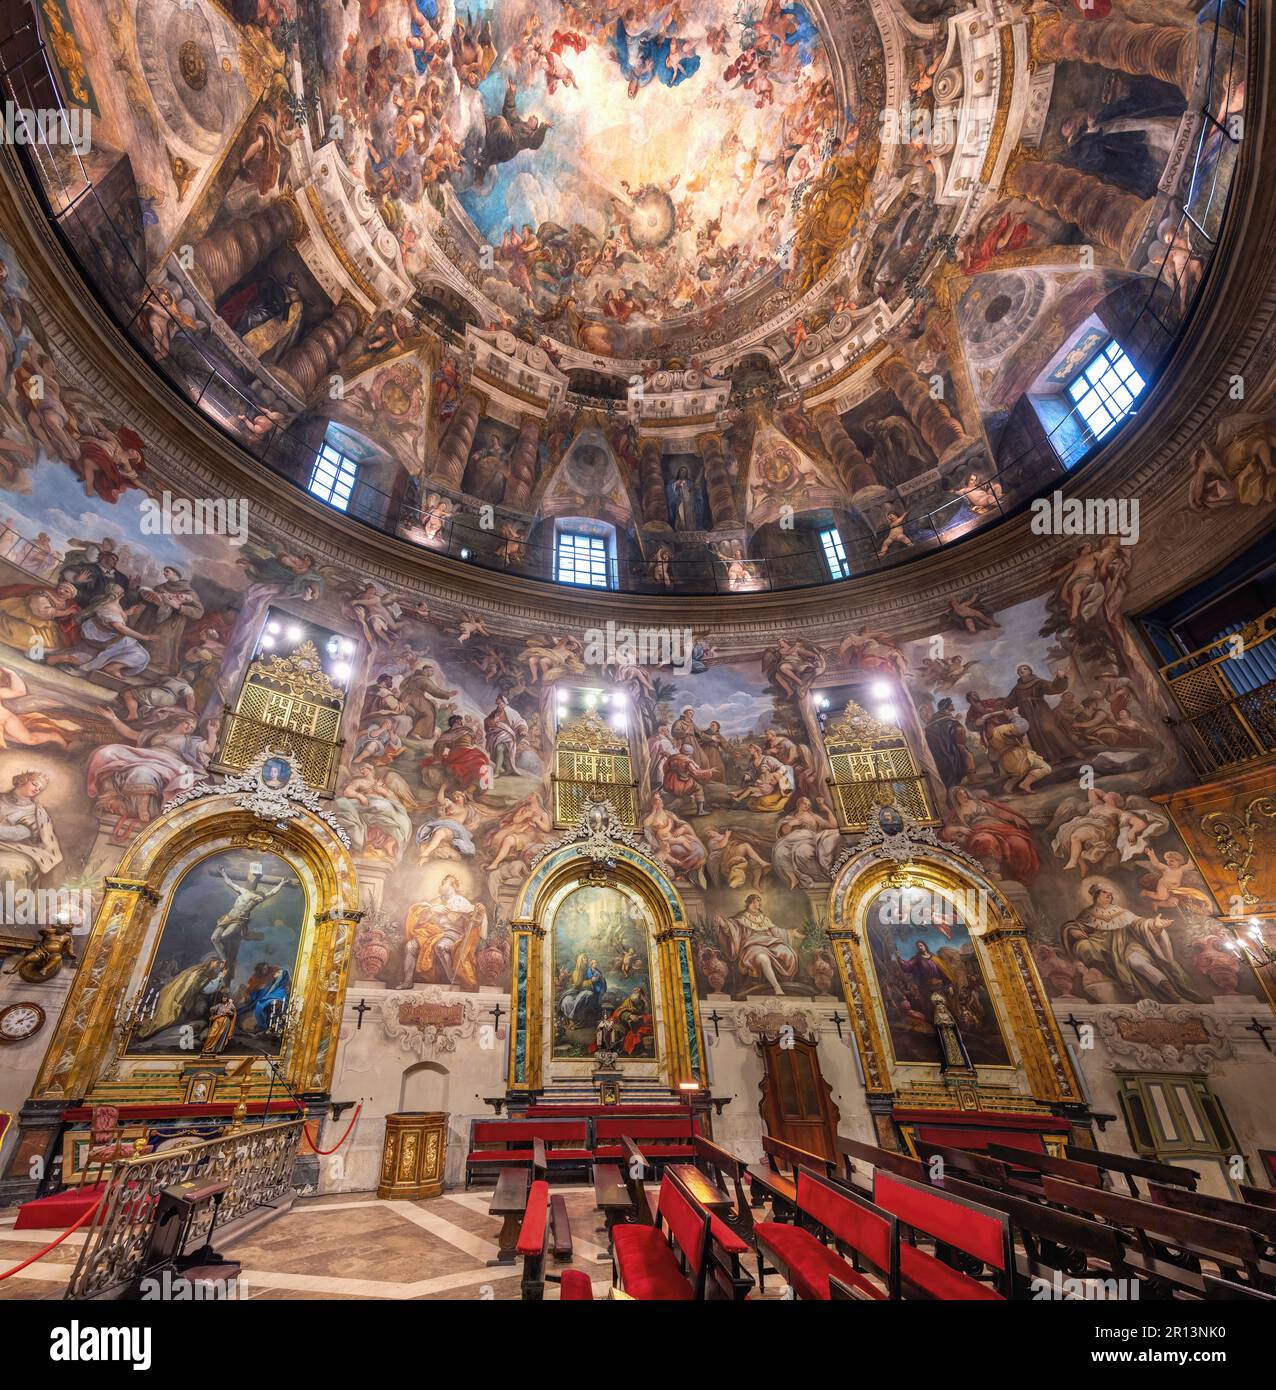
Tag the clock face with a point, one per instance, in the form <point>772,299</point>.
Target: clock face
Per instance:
<point>20,1021</point>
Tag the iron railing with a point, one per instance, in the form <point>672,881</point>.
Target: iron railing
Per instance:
<point>256,1163</point>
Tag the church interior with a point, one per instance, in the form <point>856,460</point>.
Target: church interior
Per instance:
<point>638,651</point>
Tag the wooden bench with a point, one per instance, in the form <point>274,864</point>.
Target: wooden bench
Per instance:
<point>900,1164</point>
<point>728,1172</point>
<point>1258,1196</point>
<point>977,1167</point>
<point>509,1202</point>
<point>1031,1165</point>
<point>1131,1168</point>
<point>1260,1220</point>
<point>560,1230</point>
<point>1168,1244</point>
<point>1052,1239</point>
<point>612,1195</point>
<point>661,1141</point>
<point>533,1236</point>
<point>957,1224</point>
<point>509,1143</point>
<point>768,1181</point>
<point>668,1261</point>
<point>849,1224</point>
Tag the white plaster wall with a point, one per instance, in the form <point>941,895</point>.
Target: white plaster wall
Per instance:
<point>19,1062</point>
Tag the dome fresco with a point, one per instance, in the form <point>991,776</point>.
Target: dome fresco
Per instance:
<point>713,281</point>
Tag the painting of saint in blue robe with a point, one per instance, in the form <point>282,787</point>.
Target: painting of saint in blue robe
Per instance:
<point>655,52</point>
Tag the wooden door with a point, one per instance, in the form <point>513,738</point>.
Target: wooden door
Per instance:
<point>797,1104</point>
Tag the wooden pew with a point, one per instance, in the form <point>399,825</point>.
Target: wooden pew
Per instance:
<point>612,1196</point>
<point>900,1164</point>
<point>669,1261</point>
<point>1033,1165</point>
<point>972,1228</point>
<point>634,1168</point>
<point>770,1182</point>
<point>974,1166</point>
<point>533,1237</point>
<point>500,1144</point>
<point>1131,1168</point>
<point>560,1230</point>
<point>728,1173</point>
<point>1169,1243</point>
<point>1052,1239</point>
<point>1225,1289</point>
<point>1260,1220</point>
<point>831,1216</point>
<point>1259,1196</point>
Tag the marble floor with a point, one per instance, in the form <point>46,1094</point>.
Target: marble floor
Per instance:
<point>355,1247</point>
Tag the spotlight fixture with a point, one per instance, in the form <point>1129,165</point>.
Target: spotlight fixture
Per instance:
<point>886,713</point>
<point>294,633</point>
<point>880,690</point>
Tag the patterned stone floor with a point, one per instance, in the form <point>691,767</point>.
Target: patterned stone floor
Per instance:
<point>355,1247</point>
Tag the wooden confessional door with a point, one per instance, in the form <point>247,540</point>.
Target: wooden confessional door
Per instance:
<point>797,1104</point>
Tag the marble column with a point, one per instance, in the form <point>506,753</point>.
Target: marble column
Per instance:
<point>1163,51</point>
<point>717,481</point>
<point>853,468</point>
<point>320,350</point>
<point>1100,211</point>
<point>523,464</point>
<point>225,256</point>
<point>454,447</point>
<point>651,484</point>
<point>936,424</point>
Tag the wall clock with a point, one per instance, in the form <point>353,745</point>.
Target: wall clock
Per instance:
<point>18,1022</point>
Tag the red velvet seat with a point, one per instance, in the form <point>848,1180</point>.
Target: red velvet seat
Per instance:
<point>659,1139</point>
<point>576,1287</point>
<point>970,1227</point>
<point>650,1268</point>
<point>721,1234</point>
<point>852,1221</point>
<point>938,1279</point>
<point>647,1263</point>
<point>531,1234</point>
<point>480,1156</point>
<point>807,1262</point>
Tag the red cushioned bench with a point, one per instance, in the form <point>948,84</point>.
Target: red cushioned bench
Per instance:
<point>848,1223</point>
<point>667,1262</point>
<point>660,1140</point>
<point>497,1144</point>
<point>952,1222</point>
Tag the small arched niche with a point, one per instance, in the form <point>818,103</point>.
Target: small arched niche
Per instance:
<point>424,1086</point>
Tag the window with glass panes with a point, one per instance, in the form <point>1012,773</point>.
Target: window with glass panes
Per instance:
<point>582,559</point>
<point>1104,392</point>
<point>834,553</point>
<point>332,478</point>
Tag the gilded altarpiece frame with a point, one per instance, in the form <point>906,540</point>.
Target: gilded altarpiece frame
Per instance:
<point>1041,1075</point>
<point>601,852</point>
<point>86,1058</point>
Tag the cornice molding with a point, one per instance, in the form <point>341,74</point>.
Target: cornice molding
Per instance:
<point>1233,332</point>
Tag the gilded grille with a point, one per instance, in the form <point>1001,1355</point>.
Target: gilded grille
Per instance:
<point>872,762</point>
<point>592,761</point>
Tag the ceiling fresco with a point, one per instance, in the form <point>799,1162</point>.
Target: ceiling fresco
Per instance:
<point>717,276</point>
<point>626,165</point>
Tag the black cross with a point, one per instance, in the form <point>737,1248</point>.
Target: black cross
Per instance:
<point>715,1018</point>
<point>360,1008</point>
<point>1075,1024</point>
<point>1262,1029</point>
<point>837,1018</point>
<point>497,1013</point>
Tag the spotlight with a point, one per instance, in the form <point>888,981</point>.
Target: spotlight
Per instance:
<point>342,671</point>
<point>620,698</point>
<point>880,690</point>
<point>294,633</point>
<point>822,702</point>
<point>267,642</point>
<point>272,627</point>
<point>886,713</point>
<point>347,646</point>
<point>465,552</point>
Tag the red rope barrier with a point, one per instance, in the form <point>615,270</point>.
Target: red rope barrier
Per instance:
<point>323,1153</point>
<point>53,1244</point>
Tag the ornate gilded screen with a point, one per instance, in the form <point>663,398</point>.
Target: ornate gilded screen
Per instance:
<point>290,704</point>
<point>868,758</point>
<point>592,762</point>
